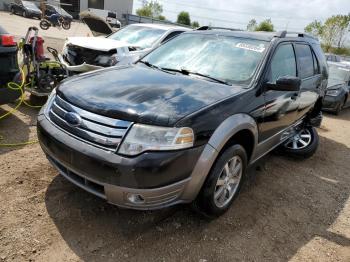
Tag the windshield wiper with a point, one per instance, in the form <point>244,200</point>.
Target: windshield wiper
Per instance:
<point>188,72</point>
<point>153,66</point>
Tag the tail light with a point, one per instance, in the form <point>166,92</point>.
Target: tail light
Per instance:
<point>8,40</point>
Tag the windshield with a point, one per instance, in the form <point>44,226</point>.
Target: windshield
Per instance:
<point>29,5</point>
<point>140,36</point>
<point>339,73</point>
<point>230,59</point>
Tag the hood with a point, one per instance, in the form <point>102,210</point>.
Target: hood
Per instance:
<point>141,94</point>
<point>97,25</point>
<point>334,83</point>
<point>96,43</point>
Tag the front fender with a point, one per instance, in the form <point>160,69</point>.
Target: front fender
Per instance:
<point>227,129</point>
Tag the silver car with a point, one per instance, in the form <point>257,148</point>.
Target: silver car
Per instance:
<point>82,54</point>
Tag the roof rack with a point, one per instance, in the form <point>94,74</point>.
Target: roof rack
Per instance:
<point>284,33</point>
<point>206,27</point>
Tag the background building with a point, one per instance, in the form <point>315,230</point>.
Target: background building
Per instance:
<point>76,6</point>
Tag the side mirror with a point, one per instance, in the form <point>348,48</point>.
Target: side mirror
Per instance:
<point>285,83</point>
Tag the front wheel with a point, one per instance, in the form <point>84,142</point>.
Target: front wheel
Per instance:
<point>44,24</point>
<point>303,144</point>
<point>12,10</point>
<point>223,182</point>
<point>66,25</point>
<point>24,14</point>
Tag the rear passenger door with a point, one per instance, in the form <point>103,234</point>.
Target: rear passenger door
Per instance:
<point>310,74</point>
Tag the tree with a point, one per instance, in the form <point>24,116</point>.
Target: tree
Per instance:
<point>195,24</point>
<point>252,25</point>
<point>151,9</point>
<point>314,28</point>
<point>184,18</point>
<point>332,32</point>
<point>265,25</point>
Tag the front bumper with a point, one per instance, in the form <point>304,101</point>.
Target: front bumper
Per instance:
<point>162,179</point>
<point>78,68</point>
<point>331,103</point>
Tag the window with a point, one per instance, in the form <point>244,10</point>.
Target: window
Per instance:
<point>316,65</point>
<point>283,63</point>
<point>97,4</point>
<point>171,35</point>
<point>305,61</point>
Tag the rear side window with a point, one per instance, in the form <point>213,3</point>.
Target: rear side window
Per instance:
<point>305,61</point>
<point>283,63</point>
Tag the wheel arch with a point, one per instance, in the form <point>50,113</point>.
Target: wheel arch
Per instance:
<point>241,128</point>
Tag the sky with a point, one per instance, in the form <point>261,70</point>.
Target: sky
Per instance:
<point>293,15</point>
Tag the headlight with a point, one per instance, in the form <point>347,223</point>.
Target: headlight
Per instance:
<point>106,60</point>
<point>333,92</point>
<point>143,138</point>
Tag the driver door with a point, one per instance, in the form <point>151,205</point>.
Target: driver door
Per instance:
<point>281,107</point>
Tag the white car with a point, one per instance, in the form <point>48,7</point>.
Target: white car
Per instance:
<point>82,54</point>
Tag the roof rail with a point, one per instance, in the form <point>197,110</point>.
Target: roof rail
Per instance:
<point>283,34</point>
<point>206,27</point>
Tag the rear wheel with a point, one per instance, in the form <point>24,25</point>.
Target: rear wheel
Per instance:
<point>223,182</point>
<point>12,10</point>
<point>303,144</point>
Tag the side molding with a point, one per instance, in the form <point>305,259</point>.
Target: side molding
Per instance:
<point>221,136</point>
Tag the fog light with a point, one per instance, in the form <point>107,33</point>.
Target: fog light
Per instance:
<point>136,198</point>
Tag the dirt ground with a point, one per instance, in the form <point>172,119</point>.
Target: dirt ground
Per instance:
<point>288,211</point>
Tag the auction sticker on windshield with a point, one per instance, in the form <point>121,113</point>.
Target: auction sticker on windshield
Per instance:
<point>259,48</point>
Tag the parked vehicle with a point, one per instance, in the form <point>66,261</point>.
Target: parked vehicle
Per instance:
<point>9,70</point>
<point>46,23</point>
<point>185,122</point>
<point>25,8</point>
<point>333,58</point>
<point>81,54</point>
<point>338,89</point>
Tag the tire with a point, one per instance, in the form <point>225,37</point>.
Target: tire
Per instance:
<point>24,14</point>
<point>294,147</point>
<point>12,11</point>
<point>209,201</point>
<point>44,25</point>
<point>66,25</point>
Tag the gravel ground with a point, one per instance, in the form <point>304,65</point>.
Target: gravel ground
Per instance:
<point>288,210</point>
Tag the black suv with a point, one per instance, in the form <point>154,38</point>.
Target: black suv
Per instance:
<point>183,123</point>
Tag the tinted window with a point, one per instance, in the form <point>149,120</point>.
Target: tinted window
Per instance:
<point>305,61</point>
<point>283,63</point>
<point>228,58</point>
<point>316,65</point>
<point>171,35</point>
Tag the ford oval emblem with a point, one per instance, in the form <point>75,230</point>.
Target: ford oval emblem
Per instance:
<point>73,119</point>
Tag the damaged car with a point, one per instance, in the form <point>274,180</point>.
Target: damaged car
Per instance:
<point>82,54</point>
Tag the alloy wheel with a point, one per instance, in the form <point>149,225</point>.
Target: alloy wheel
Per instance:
<point>300,140</point>
<point>228,181</point>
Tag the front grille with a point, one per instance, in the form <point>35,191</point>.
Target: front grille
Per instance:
<point>77,55</point>
<point>101,131</point>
